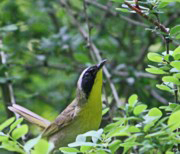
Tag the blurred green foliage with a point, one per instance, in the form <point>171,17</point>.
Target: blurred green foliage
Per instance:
<point>142,131</point>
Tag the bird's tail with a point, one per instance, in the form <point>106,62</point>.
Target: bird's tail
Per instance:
<point>29,115</point>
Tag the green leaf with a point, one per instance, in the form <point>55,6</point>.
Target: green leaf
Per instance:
<point>176,52</point>
<point>31,143</point>
<point>85,148</point>
<point>133,129</point>
<point>155,57</point>
<point>178,36</point>
<point>155,112</point>
<point>101,151</point>
<point>153,115</point>
<point>9,28</point>
<point>76,144</point>
<point>111,126</point>
<point>162,4</point>
<point>174,121</point>
<point>17,122</point>
<point>104,111</point>
<point>4,138</point>
<point>155,71</point>
<point>95,135</point>
<point>114,145</point>
<point>169,1</point>
<point>12,146</point>
<point>177,56</point>
<point>133,99</point>
<point>175,64</point>
<point>69,150</point>
<point>177,75</point>
<point>133,118</point>
<point>6,123</point>
<point>123,10</point>
<point>129,144</point>
<point>163,87</point>
<point>120,131</point>
<point>168,58</point>
<point>150,124</point>
<point>81,138</point>
<point>119,1</point>
<point>20,131</point>
<point>175,30</point>
<point>171,79</point>
<point>132,138</point>
<point>169,152</point>
<point>42,147</point>
<point>139,109</point>
<point>155,134</point>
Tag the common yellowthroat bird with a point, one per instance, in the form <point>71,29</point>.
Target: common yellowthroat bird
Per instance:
<point>82,115</point>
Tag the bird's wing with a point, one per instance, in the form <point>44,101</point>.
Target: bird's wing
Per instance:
<point>64,119</point>
<point>30,116</point>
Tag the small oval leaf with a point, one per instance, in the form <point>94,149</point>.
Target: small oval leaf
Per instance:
<point>171,79</point>
<point>6,123</point>
<point>20,131</point>
<point>175,64</point>
<point>155,57</point>
<point>163,87</point>
<point>132,100</point>
<point>139,109</point>
<point>155,71</point>
<point>174,121</point>
<point>155,112</point>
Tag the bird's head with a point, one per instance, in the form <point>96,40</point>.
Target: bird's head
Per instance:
<point>90,80</point>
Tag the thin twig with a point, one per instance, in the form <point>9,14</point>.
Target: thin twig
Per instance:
<point>88,26</point>
<point>88,39</point>
<point>167,41</point>
<point>137,4</point>
<point>176,93</point>
<point>156,23</point>
<point>7,90</point>
<point>136,74</point>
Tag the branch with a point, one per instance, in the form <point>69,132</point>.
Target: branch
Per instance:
<point>157,96</point>
<point>52,15</point>
<point>162,29</point>
<point>54,20</point>
<point>156,23</point>
<point>88,40</point>
<point>136,74</point>
<point>7,90</point>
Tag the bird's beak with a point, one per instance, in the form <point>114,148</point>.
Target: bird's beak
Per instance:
<point>101,64</point>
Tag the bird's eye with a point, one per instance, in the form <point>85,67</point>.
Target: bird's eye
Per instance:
<point>87,74</point>
<point>93,69</point>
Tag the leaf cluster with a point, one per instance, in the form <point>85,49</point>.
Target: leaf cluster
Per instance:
<point>142,130</point>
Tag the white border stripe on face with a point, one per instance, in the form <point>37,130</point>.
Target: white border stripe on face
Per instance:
<point>80,79</point>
